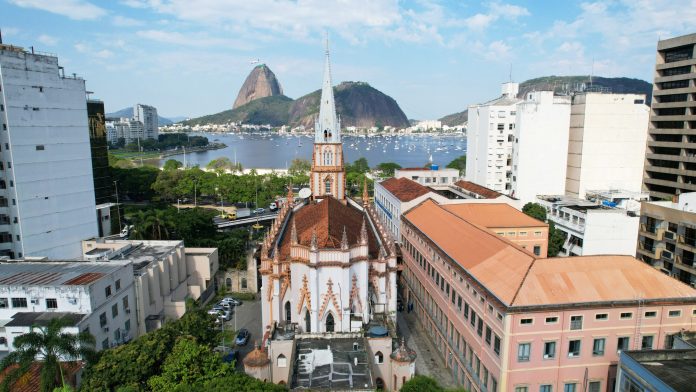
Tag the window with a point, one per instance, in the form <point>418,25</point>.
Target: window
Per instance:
<point>327,186</point>
<point>118,284</point>
<point>473,318</point>
<point>674,313</point>
<point>126,326</point>
<point>244,283</point>
<point>574,348</point>
<point>102,319</point>
<point>537,250</point>
<point>282,361</point>
<point>595,386</point>
<point>549,350</point>
<point>125,304</point>
<point>521,389</point>
<point>39,147</point>
<point>570,387</point>
<point>488,335</point>
<point>496,344</point>
<point>545,388</point>
<point>575,322</point>
<point>523,350</point>
<point>479,330</point>
<point>598,347</point>
<point>107,291</point>
<point>228,283</point>
<point>601,316</point>
<point>19,302</point>
<point>526,321</point>
<point>379,357</point>
<point>622,343</point>
<point>551,320</point>
<point>647,343</point>
<point>650,314</point>
<point>105,344</point>
<point>4,303</point>
<point>51,303</point>
<point>626,315</point>
<point>114,310</point>
<point>466,310</point>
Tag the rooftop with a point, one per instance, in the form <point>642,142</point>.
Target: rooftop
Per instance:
<point>42,319</point>
<point>54,273</point>
<point>493,215</point>
<point>404,189</point>
<point>31,381</point>
<point>141,253</point>
<point>329,364</point>
<point>541,282</point>
<point>675,368</point>
<point>480,190</point>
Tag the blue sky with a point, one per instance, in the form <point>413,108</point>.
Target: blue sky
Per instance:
<point>190,57</point>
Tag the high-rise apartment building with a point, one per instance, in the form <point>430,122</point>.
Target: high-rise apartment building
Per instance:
<point>606,149</point>
<point>148,116</point>
<point>670,162</point>
<point>47,203</point>
<point>490,138</point>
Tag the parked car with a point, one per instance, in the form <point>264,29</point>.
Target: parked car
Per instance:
<point>233,355</point>
<point>259,210</point>
<point>242,337</point>
<point>231,301</point>
<point>226,315</point>
<point>213,312</point>
<point>226,305</point>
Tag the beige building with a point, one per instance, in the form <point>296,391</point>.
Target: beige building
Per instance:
<point>667,236</point>
<point>670,162</point>
<point>606,146</point>
<point>166,275</point>
<point>240,281</point>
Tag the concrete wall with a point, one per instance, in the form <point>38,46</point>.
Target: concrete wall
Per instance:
<point>610,232</point>
<point>286,348</point>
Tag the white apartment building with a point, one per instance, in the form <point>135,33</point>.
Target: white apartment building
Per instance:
<point>608,135</point>
<point>490,138</point>
<point>98,298</point>
<point>147,115</point>
<point>127,128</point>
<point>434,175</point>
<point>540,149</point>
<point>166,275</point>
<point>606,223</point>
<point>47,203</point>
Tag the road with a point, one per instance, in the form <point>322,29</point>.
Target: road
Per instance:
<point>248,316</point>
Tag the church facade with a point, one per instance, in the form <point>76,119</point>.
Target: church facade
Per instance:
<point>328,272</point>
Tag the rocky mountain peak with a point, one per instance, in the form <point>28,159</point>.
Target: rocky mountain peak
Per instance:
<point>260,83</point>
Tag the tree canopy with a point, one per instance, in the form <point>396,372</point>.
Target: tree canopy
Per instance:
<point>535,210</point>
<point>556,237</point>
<point>458,163</point>
<point>387,169</point>
<point>172,164</point>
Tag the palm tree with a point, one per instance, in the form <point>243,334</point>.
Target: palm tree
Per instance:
<point>47,346</point>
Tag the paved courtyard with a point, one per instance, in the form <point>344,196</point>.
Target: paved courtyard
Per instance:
<point>428,362</point>
<point>248,316</point>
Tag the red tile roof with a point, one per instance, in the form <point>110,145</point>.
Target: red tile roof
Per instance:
<point>85,278</point>
<point>478,189</point>
<point>493,215</point>
<point>30,381</point>
<point>328,217</point>
<point>404,189</point>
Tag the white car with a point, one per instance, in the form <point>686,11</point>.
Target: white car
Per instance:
<point>259,210</point>
<point>231,301</point>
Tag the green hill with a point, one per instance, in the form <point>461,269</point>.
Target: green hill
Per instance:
<point>271,110</point>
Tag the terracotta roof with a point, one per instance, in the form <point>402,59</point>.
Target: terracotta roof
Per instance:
<point>404,189</point>
<point>257,358</point>
<point>478,189</point>
<point>403,353</point>
<point>483,254</point>
<point>31,380</point>
<point>493,215</point>
<point>596,279</point>
<point>535,282</point>
<point>328,217</point>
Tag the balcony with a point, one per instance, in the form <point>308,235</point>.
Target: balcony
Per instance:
<point>688,241</point>
<point>652,231</point>
<point>686,260</point>
<point>648,249</point>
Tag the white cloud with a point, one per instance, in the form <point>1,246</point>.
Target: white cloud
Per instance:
<point>47,40</point>
<point>9,31</point>
<point>123,21</point>
<point>135,3</point>
<point>498,50</point>
<point>104,54</point>
<point>73,9</point>
<point>496,11</point>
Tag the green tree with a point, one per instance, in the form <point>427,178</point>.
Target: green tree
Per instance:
<point>421,384</point>
<point>172,164</point>
<point>359,166</point>
<point>152,225</point>
<point>556,240</point>
<point>197,323</point>
<point>458,163</point>
<point>48,345</point>
<point>535,210</point>
<point>188,363</point>
<point>387,169</point>
<point>166,185</point>
<point>220,165</point>
<point>299,167</point>
<point>236,382</point>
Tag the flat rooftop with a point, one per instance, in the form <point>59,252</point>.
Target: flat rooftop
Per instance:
<point>42,319</point>
<point>493,215</point>
<point>329,364</point>
<point>142,253</point>
<point>54,273</point>
<point>675,368</point>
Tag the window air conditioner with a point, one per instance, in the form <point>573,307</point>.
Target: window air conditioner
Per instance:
<point>547,356</point>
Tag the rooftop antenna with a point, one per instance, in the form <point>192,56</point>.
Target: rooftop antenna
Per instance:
<point>0,36</point>
<point>510,74</point>
<point>592,72</point>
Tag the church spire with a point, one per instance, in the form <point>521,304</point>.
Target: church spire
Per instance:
<point>327,128</point>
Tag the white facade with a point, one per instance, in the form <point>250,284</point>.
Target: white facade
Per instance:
<point>128,129</point>
<point>608,134</point>
<point>429,177</point>
<point>46,189</point>
<point>147,115</point>
<point>600,226</point>
<point>100,296</point>
<point>490,138</point>
<point>540,150</point>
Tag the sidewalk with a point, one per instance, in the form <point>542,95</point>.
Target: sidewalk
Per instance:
<point>428,362</point>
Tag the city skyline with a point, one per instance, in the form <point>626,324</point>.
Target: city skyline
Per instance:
<point>434,58</point>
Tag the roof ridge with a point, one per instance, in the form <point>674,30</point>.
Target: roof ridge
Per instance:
<point>524,278</point>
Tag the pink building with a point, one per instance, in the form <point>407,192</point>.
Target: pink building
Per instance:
<point>506,320</point>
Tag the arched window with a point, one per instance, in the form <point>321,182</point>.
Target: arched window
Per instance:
<point>244,283</point>
<point>288,314</point>
<point>228,283</point>
<point>328,186</point>
<point>379,384</point>
<point>379,357</point>
<point>308,321</point>
<point>282,361</point>
<point>329,323</point>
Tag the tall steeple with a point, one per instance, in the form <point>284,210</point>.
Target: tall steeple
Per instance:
<point>327,128</point>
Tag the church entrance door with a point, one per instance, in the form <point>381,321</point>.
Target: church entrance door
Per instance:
<point>329,323</point>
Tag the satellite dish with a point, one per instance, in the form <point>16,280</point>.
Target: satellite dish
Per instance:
<point>305,193</point>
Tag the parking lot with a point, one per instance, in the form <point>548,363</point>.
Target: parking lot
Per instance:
<point>248,315</point>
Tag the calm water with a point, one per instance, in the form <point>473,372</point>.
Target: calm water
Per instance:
<point>278,151</point>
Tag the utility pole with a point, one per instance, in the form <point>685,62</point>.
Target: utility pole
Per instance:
<point>195,203</point>
<point>118,207</point>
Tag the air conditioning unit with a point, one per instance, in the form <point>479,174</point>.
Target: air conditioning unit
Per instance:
<point>669,235</point>
<point>571,355</point>
<point>72,301</point>
<point>34,301</point>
